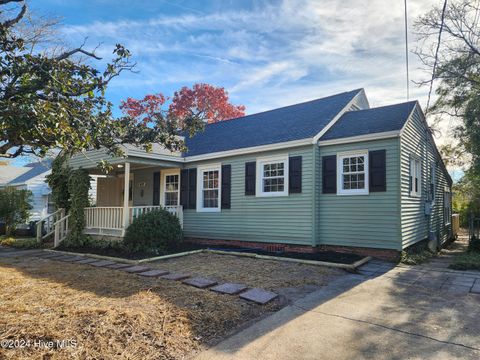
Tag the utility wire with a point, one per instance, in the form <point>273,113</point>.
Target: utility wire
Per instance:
<point>406,51</point>
<point>427,109</point>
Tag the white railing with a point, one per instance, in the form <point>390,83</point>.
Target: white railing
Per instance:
<point>48,224</point>
<point>109,218</point>
<point>136,211</point>
<point>61,230</point>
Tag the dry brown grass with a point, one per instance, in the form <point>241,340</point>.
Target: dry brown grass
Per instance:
<point>266,274</point>
<point>111,314</point>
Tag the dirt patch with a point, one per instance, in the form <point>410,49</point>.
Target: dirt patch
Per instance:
<point>111,314</point>
<point>266,274</point>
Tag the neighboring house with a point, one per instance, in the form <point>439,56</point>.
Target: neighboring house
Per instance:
<point>331,173</point>
<point>33,179</point>
<point>8,173</point>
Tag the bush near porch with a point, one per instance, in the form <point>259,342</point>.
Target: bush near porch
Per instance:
<point>155,232</point>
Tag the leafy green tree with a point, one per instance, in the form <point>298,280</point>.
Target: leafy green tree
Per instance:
<point>78,186</point>
<point>14,207</point>
<point>450,47</point>
<point>58,182</point>
<point>50,100</point>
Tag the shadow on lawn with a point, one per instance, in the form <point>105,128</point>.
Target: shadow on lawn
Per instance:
<point>387,316</point>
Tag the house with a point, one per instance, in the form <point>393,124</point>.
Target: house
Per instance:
<point>331,173</point>
<point>32,178</point>
<point>9,172</point>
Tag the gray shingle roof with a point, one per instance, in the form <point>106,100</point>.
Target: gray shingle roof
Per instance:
<point>294,122</point>
<point>36,168</point>
<point>370,121</point>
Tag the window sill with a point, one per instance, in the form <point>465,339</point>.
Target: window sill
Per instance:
<point>417,196</point>
<point>352,193</point>
<point>272,194</point>
<point>208,210</point>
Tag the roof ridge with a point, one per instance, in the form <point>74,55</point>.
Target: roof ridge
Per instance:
<point>287,106</point>
<point>383,106</point>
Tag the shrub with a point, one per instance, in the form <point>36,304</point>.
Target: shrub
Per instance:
<point>155,232</point>
<point>14,207</point>
<point>28,243</point>
<point>474,244</point>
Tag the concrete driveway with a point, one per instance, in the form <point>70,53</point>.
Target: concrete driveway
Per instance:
<point>386,315</point>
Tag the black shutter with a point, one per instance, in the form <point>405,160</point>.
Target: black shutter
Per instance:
<point>184,188</point>
<point>192,188</point>
<point>295,174</point>
<point>226,185</point>
<point>329,174</point>
<point>156,188</point>
<point>378,172</point>
<point>250,169</point>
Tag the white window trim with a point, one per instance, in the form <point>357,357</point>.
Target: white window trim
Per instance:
<point>414,193</point>
<point>200,171</point>
<point>259,178</point>
<point>340,157</point>
<point>163,185</point>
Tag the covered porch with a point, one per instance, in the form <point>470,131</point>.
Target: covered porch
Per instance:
<point>152,184</point>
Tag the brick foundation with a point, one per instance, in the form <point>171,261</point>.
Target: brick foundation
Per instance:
<point>383,254</point>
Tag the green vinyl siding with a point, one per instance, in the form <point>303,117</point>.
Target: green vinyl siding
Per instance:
<point>416,142</point>
<point>282,219</point>
<point>360,220</point>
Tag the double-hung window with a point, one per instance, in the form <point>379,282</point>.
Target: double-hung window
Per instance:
<point>209,188</point>
<point>352,170</point>
<point>171,189</point>
<point>272,178</point>
<point>415,177</point>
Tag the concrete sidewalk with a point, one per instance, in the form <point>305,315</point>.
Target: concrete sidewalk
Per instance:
<point>364,317</point>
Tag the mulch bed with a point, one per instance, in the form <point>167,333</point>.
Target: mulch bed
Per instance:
<point>327,256</point>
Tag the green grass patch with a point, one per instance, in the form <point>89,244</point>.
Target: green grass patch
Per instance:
<point>416,258</point>
<point>467,261</point>
<point>20,243</point>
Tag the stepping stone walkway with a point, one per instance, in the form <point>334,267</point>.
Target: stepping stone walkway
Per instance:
<point>76,258</point>
<point>118,266</point>
<point>229,288</point>
<point>200,282</point>
<point>135,269</point>
<point>153,273</point>
<point>102,263</point>
<point>86,261</point>
<point>256,295</point>
<point>175,276</point>
<point>259,296</point>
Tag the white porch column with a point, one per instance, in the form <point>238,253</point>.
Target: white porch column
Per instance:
<point>126,191</point>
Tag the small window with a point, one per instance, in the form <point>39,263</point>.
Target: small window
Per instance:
<point>447,206</point>
<point>171,189</point>
<point>415,177</point>
<point>208,197</point>
<point>352,173</point>
<point>273,176</point>
<point>431,190</point>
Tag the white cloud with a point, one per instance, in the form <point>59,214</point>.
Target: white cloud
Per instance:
<point>272,55</point>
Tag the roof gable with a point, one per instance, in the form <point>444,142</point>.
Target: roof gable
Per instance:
<point>370,121</point>
<point>35,169</point>
<point>294,122</point>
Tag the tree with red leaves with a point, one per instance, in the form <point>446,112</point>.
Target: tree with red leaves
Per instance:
<point>204,101</point>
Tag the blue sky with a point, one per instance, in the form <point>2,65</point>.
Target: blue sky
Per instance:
<point>267,54</point>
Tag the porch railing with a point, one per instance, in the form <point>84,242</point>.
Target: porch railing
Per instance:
<point>111,218</point>
<point>46,226</point>
<point>108,218</point>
